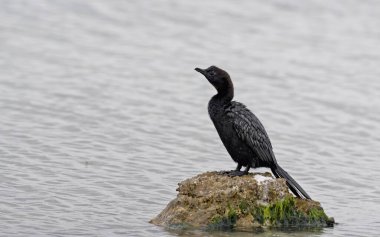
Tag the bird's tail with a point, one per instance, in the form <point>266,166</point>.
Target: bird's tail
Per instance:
<point>292,184</point>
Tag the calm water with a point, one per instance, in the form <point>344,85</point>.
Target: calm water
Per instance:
<point>102,113</point>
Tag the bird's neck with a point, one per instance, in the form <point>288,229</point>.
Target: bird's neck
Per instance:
<point>225,94</point>
<point>218,102</point>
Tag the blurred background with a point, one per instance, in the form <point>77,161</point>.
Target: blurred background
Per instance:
<point>102,114</point>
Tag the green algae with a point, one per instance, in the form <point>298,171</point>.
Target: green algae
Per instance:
<point>287,212</point>
<point>225,221</point>
<point>244,207</point>
<point>213,201</point>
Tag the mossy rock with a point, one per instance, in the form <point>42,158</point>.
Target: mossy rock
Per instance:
<point>213,200</point>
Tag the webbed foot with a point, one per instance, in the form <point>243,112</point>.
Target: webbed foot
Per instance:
<point>238,173</point>
<point>226,172</point>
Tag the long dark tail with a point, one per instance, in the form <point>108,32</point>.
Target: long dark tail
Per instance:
<point>293,185</point>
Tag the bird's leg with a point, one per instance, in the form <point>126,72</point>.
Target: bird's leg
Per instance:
<point>247,169</point>
<point>237,172</point>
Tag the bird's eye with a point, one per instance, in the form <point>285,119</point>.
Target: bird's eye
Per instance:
<point>212,73</point>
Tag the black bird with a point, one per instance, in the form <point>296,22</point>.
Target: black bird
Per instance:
<point>241,132</point>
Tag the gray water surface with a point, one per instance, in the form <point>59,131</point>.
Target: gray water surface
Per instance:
<point>102,114</point>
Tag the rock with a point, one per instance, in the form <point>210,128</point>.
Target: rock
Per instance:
<point>213,200</point>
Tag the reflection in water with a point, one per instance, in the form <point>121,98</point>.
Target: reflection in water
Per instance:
<point>102,113</point>
<point>259,232</point>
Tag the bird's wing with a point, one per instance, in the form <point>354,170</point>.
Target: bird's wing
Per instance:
<point>250,130</point>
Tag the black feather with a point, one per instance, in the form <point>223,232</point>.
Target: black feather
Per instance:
<point>241,131</point>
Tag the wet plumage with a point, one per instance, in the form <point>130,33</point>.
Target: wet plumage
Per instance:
<point>241,131</point>
<point>250,130</point>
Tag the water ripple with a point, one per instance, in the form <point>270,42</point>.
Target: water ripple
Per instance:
<point>102,113</point>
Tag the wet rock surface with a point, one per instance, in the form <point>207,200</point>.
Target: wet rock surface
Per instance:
<point>213,200</point>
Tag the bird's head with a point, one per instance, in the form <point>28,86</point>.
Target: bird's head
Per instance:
<point>218,78</point>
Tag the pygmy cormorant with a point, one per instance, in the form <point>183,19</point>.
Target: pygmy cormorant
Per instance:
<point>241,132</point>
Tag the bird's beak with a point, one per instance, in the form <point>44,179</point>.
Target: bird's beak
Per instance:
<point>203,71</point>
